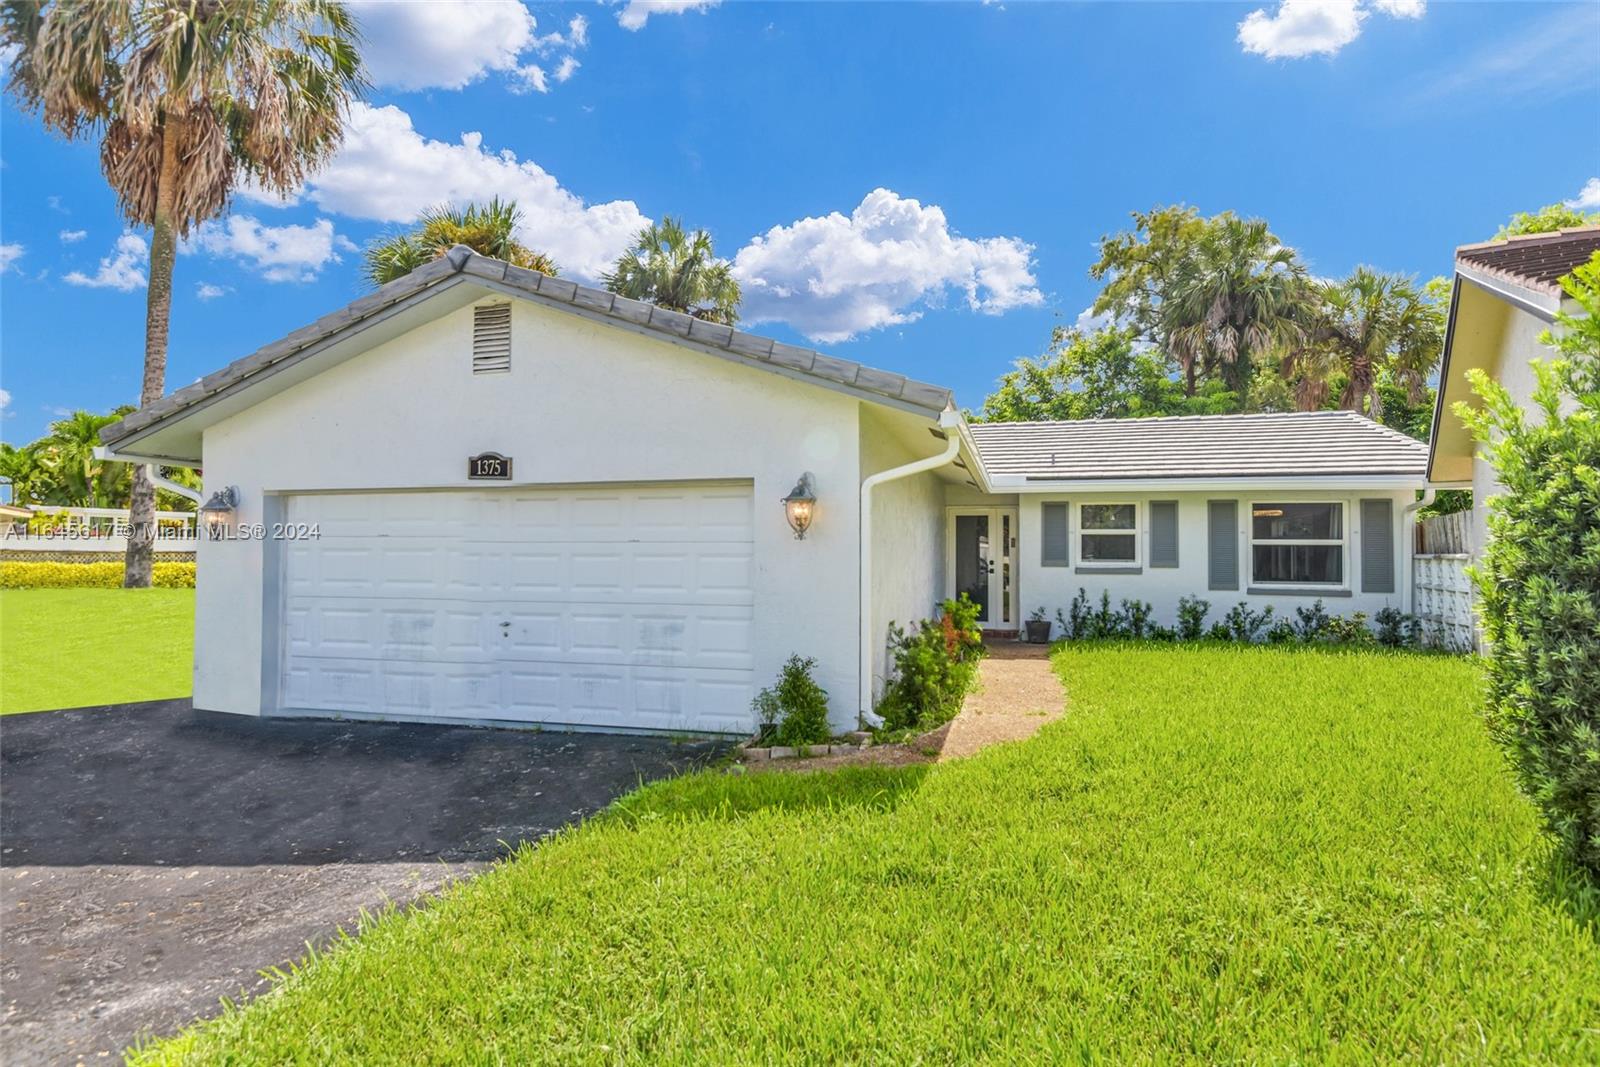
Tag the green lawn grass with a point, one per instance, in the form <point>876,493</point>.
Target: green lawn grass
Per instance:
<point>69,648</point>
<point>1219,854</point>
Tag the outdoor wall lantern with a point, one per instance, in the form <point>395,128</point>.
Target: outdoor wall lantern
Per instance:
<point>220,507</point>
<point>800,505</point>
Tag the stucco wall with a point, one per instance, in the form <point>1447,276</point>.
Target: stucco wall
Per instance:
<point>1054,587</point>
<point>1513,368</point>
<point>907,543</point>
<point>583,403</point>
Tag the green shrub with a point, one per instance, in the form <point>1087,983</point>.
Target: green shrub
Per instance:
<point>935,664</point>
<point>1311,623</point>
<point>1396,629</point>
<point>1538,581</point>
<point>1243,624</point>
<point>1192,612</point>
<point>103,575</point>
<point>802,704</point>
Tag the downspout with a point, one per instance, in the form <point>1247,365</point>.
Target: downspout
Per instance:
<point>1428,493</point>
<point>102,452</point>
<point>950,423</point>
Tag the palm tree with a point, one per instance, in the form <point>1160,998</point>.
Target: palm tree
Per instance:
<point>1234,301</point>
<point>488,229</point>
<point>672,268</point>
<point>1365,329</point>
<point>187,98</point>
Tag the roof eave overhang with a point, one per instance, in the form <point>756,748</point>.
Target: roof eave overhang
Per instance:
<point>1033,483</point>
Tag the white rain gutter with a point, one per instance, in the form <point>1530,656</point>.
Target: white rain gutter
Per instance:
<point>1411,509</point>
<point>950,423</point>
<point>102,452</point>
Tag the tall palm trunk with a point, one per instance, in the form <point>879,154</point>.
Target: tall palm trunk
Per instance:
<point>139,562</point>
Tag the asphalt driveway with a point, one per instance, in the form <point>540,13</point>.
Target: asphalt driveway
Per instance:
<point>154,859</point>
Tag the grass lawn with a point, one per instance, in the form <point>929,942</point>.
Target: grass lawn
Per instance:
<point>1219,854</point>
<point>68,648</point>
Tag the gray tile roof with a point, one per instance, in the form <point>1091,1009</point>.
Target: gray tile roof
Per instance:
<point>750,349</point>
<point>1309,444</point>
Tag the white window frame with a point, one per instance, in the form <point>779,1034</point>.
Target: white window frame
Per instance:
<point>1135,532</point>
<point>1342,543</point>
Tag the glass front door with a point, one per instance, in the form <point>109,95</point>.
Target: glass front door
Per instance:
<point>982,556</point>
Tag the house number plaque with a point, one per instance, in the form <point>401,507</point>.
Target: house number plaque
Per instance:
<point>489,465</point>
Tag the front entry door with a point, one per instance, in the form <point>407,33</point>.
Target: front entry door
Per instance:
<point>981,562</point>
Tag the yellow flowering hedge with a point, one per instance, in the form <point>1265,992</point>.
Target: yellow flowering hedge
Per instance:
<point>88,575</point>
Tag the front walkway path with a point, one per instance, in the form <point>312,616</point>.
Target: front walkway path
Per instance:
<point>1017,693</point>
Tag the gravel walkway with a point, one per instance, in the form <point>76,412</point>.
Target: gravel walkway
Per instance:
<point>1017,693</point>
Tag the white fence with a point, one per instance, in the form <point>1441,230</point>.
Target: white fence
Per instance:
<point>93,531</point>
<point>1442,600</point>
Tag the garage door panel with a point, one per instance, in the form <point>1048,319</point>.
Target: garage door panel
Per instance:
<point>626,607</point>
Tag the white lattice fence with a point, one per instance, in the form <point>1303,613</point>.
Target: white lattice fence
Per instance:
<point>1444,600</point>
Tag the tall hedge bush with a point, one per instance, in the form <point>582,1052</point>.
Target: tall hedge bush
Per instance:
<point>1538,581</point>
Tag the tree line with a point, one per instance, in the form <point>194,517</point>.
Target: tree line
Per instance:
<point>1218,315</point>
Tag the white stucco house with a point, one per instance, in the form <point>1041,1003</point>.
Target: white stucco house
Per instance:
<point>1504,296</point>
<point>482,494</point>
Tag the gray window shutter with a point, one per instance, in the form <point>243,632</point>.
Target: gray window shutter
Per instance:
<point>1222,529</point>
<point>1163,533</point>
<point>1377,546</point>
<point>1053,550</point>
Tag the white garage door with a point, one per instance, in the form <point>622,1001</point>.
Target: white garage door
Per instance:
<point>607,607</point>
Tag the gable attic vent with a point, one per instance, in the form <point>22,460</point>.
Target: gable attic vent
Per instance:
<point>491,338</point>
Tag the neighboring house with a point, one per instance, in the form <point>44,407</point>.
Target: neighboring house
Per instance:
<point>484,494</point>
<point>1506,293</point>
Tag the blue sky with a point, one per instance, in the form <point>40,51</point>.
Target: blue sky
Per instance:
<point>918,187</point>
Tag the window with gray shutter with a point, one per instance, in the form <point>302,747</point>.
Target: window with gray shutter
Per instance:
<point>491,338</point>
<point>1163,533</point>
<point>1222,537</point>
<point>1053,535</point>
<point>1377,546</point>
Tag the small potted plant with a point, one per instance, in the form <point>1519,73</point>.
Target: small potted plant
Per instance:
<point>1038,628</point>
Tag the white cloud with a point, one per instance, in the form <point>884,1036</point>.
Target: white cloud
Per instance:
<point>1302,28</point>
<point>279,253</point>
<point>635,13</point>
<point>1588,198</point>
<point>530,78</point>
<point>9,254</point>
<point>567,68</point>
<point>836,276</point>
<point>72,236</point>
<point>123,270</point>
<point>1402,9</point>
<point>5,399</point>
<point>207,291</point>
<point>422,45</point>
<point>388,172</point>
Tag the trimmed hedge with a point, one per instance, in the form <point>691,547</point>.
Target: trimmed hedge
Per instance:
<point>88,576</point>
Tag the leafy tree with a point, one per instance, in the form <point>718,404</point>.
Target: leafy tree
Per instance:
<point>672,268</point>
<point>1547,219</point>
<point>1539,574</point>
<point>1140,266</point>
<point>488,229</point>
<point>1358,332</point>
<point>27,473</point>
<point>84,479</point>
<point>1106,374</point>
<point>187,99</point>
